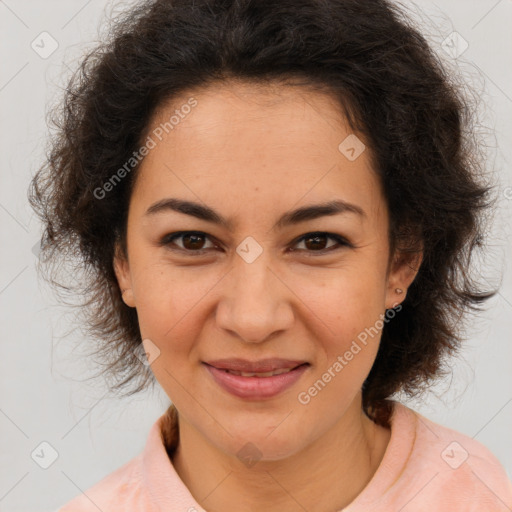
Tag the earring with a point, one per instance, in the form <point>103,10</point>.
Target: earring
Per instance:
<point>399,290</point>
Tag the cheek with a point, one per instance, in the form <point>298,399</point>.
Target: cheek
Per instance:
<point>343,302</point>
<point>171,313</point>
<point>334,307</point>
<point>173,309</point>
<point>348,314</point>
<point>168,296</point>
<point>347,308</point>
<point>174,303</point>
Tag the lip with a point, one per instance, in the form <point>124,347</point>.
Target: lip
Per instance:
<point>256,388</point>
<point>261,366</point>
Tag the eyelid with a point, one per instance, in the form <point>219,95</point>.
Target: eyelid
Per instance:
<point>168,240</point>
<point>341,242</point>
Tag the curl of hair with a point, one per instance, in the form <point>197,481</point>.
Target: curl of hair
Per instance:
<point>392,89</point>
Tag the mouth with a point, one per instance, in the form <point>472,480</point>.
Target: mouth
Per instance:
<point>256,385</point>
<point>261,367</point>
<point>259,374</point>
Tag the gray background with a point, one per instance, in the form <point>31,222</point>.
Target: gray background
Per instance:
<point>43,394</point>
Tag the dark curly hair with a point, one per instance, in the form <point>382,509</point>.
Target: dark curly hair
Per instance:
<point>394,91</point>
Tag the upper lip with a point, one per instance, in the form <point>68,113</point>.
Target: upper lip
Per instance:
<point>261,366</point>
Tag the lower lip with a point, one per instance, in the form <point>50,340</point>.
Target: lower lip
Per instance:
<point>256,387</point>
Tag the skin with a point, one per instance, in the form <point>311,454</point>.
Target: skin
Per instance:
<point>253,153</point>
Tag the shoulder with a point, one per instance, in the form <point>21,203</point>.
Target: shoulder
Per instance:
<point>141,482</point>
<point>458,471</point>
<point>119,490</point>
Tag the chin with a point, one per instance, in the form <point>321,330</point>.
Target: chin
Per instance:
<point>253,445</point>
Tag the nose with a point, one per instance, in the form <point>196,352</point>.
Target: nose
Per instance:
<point>256,304</point>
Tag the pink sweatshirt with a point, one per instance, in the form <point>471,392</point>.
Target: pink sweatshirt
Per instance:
<point>426,468</point>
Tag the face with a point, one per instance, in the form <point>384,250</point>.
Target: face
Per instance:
<point>262,283</point>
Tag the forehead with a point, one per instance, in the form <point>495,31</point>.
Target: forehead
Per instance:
<point>281,142</point>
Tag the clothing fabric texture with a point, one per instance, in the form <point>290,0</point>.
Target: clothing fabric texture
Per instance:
<point>426,467</point>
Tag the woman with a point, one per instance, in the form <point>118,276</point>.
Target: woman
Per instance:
<point>278,208</point>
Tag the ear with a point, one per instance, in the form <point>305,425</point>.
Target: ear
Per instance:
<point>402,272</point>
<point>122,271</point>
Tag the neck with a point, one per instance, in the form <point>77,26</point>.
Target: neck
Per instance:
<point>327,475</point>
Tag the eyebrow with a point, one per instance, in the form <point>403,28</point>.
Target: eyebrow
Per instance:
<point>292,217</point>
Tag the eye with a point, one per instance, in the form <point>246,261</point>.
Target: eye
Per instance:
<point>193,242</point>
<point>317,242</point>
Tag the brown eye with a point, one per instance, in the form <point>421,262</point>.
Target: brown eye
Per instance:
<point>317,242</point>
<point>191,241</point>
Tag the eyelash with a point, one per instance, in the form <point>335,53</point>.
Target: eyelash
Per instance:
<point>167,240</point>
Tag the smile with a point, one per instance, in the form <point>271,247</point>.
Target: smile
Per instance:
<point>260,374</point>
<point>256,385</point>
